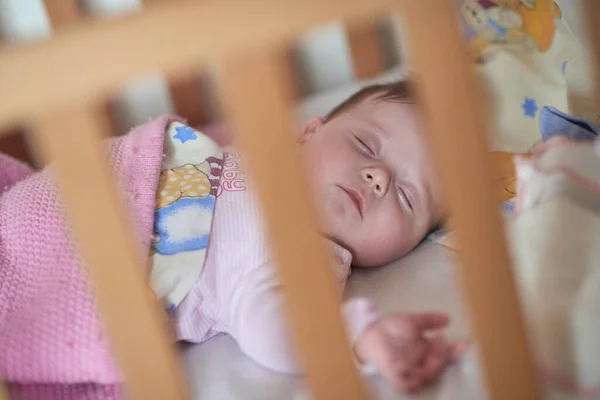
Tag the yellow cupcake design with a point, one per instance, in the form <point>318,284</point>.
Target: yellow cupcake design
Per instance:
<point>185,181</point>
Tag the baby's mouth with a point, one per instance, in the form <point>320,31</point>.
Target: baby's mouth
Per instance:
<point>357,199</point>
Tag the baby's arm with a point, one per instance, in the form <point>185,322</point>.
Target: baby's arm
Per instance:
<point>257,321</point>
<point>395,346</point>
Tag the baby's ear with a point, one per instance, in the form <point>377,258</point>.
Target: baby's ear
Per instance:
<point>310,129</point>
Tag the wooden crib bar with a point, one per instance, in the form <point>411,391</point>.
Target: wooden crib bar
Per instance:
<point>592,14</point>
<point>64,12</point>
<point>453,106</point>
<point>367,49</point>
<point>136,325</point>
<point>266,138</point>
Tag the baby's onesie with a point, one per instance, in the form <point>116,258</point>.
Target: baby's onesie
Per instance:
<point>211,259</point>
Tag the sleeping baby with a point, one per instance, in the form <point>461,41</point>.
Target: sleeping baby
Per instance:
<point>195,214</point>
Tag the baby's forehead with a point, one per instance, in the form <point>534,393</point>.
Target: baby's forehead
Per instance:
<point>392,117</point>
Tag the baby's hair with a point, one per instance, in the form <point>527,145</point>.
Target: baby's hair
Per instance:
<point>398,91</point>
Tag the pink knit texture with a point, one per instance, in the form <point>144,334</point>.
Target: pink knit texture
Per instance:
<point>12,171</point>
<point>52,343</point>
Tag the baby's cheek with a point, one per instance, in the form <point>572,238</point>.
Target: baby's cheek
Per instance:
<point>385,242</point>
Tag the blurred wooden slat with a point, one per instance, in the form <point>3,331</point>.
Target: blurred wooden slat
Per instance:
<point>14,143</point>
<point>111,256</point>
<point>3,394</point>
<point>187,97</point>
<point>105,115</point>
<point>190,92</point>
<point>285,63</point>
<point>451,101</point>
<point>592,13</point>
<point>367,49</point>
<point>258,107</point>
<point>91,60</point>
<point>64,12</point>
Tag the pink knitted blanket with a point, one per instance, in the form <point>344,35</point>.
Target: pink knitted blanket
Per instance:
<point>52,343</point>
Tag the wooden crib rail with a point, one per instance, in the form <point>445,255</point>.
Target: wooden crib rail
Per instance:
<point>80,71</point>
<point>190,92</point>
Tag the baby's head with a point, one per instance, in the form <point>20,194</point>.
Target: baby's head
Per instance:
<point>373,175</point>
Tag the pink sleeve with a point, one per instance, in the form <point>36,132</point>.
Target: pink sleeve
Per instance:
<point>258,323</point>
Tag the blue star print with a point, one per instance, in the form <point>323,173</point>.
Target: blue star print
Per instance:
<point>529,107</point>
<point>185,133</point>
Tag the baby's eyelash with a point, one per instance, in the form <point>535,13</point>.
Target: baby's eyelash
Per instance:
<point>365,146</point>
<point>405,196</point>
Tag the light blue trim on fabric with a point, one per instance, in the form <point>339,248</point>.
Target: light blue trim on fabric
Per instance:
<point>497,28</point>
<point>554,122</point>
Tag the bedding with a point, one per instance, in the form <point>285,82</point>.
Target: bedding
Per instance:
<point>43,289</point>
<point>555,241</point>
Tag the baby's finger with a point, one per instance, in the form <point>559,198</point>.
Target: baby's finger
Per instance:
<point>417,374</point>
<point>407,357</point>
<point>458,349</point>
<point>402,378</point>
<point>438,341</point>
<point>436,358</point>
<point>429,321</point>
<point>411,381</point>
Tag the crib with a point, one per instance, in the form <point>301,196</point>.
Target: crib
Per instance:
<point>69,110</point>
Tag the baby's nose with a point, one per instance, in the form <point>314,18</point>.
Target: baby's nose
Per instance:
<point>378,180</point>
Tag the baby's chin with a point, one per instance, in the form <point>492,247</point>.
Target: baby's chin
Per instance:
<point>363,255</point>
<point>337,224</point>
<point>373,254</point>
<point>369,260</point>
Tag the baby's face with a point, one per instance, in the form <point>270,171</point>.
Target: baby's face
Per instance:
<point>373,178</point>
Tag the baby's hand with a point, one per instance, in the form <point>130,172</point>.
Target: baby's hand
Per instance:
<point>398,347</point>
